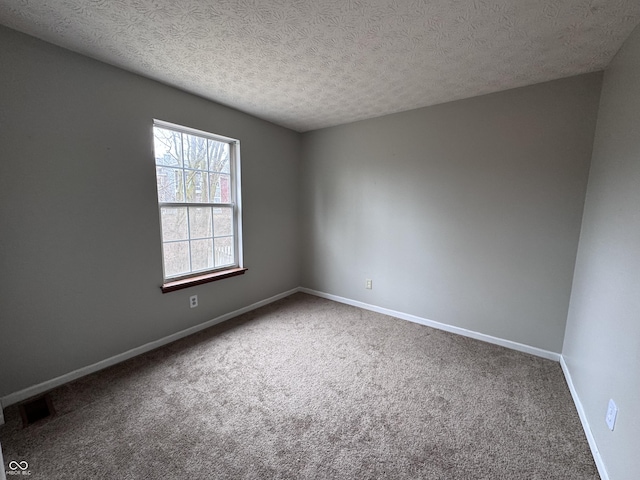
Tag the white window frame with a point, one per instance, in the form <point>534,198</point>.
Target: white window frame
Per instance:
<point>172,283</point>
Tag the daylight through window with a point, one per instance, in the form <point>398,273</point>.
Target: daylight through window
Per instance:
<point>198,179</point>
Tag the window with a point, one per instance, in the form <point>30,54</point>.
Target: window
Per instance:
<point>198,180</point>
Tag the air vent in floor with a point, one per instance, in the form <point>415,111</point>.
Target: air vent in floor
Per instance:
<point>37,409</point>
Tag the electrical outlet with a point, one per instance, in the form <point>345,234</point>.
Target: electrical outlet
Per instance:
<point>612,412</point>
<point>368,284</point>
<point>193,301</point>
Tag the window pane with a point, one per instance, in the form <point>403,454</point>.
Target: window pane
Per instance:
<point>167,145</point>
<point>195,152</point>
<point>170,186</point>
<point>197,186</point>
<point>224,251</point>
<point>200,222</point>
<point>174,223</point>
<point>225,188</point>
<point>176,258</point>
<point>222,222</point>
<point>220,187</point>
<point>219,157</point>
<point>202,254</point>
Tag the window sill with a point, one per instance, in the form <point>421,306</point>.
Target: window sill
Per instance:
<point>199,280</point>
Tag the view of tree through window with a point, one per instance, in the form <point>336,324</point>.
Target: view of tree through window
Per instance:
<point>196,196</point>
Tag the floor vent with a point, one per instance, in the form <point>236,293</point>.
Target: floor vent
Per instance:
<point>33,411</point>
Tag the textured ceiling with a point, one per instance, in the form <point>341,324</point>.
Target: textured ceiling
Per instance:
<point>308,64</point>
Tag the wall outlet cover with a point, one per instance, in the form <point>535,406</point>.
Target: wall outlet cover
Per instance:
<point>193,301</point>
<point>612,412</point>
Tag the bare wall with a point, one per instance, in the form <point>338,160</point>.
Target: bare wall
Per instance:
<point>602,342</point>
<point>80,258</point>
<point>466,213</point>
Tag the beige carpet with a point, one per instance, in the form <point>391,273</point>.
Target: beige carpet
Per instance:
<point>311,389</point>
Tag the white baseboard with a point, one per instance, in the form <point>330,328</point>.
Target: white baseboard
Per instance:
<point>440,326</point>
<point>81,372</point>
<point>585,423</point>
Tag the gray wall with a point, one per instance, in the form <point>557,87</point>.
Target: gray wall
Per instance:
<point>80,258</point>
<point>602,342</point>
<point>466,213</point>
